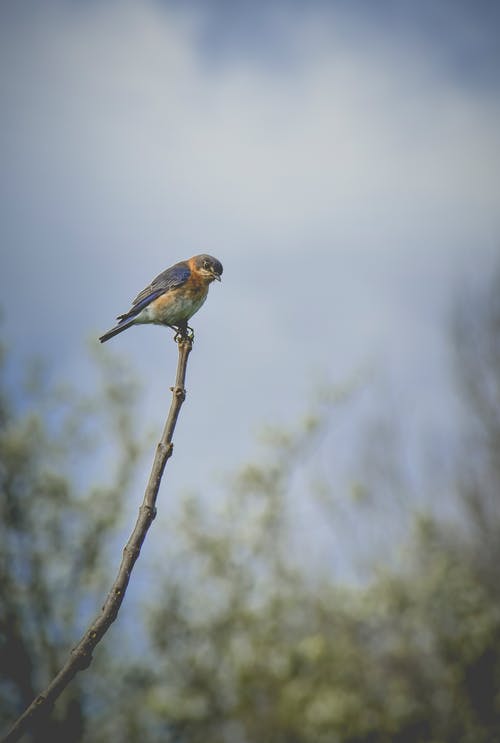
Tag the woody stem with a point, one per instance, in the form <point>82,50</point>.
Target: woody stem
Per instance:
<point>80,656</point>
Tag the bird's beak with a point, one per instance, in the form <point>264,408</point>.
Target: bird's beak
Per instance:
<point>216,276</point>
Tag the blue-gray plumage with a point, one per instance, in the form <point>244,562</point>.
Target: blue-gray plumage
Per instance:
<point>173,297</point>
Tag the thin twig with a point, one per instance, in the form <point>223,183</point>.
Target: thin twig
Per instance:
<point>81,655</point>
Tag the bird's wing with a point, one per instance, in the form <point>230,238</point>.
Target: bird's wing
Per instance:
<point>170,279</point>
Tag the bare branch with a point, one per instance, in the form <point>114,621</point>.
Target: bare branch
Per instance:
<point>81,655</point>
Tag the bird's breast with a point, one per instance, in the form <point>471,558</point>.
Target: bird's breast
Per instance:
<point>177,305</point>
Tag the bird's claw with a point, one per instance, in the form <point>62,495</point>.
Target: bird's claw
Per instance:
<point>184,333</point>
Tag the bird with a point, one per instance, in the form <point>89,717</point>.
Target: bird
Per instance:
<point>172,298</point>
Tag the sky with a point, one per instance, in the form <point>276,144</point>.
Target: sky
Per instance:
<point>342,160</point>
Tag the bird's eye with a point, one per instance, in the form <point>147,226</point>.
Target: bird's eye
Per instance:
<point>206,264</point>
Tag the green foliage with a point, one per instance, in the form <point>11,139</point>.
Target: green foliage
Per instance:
<point>247,649</point>
<point>53,532</point>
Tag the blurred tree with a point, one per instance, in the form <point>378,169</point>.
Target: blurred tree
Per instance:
<point>54,532</point>
<point>477,345</point>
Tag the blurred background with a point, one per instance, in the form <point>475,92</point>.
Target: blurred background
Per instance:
<point>324,563</point>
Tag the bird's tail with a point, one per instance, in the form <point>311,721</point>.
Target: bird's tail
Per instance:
<point>122,325</point>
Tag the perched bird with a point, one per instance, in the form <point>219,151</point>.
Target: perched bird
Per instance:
<point>172,297</point>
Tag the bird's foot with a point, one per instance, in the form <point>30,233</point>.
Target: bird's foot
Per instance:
<point>184,333</point>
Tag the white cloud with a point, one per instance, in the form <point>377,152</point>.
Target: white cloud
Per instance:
<point>129,112</point>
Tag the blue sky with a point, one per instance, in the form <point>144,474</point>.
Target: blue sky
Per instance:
<point>342,160</point>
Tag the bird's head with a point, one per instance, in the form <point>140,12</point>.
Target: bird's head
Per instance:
<point>207,266</point>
